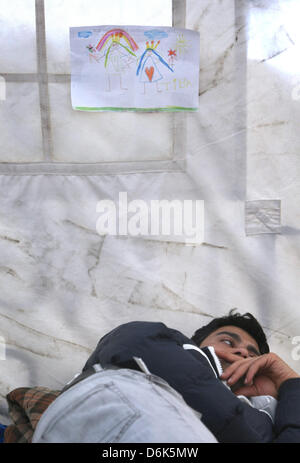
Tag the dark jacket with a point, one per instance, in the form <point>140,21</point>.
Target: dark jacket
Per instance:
<point>169,354</point>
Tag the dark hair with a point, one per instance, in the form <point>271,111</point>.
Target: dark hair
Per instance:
<point>246,322</point>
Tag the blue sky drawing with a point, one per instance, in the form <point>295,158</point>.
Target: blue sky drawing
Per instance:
<point>155,34</point>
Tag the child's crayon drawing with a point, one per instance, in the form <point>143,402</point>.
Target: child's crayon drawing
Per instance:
<point>134,68</point>
<point>116,48</point>
<point>150,68</point>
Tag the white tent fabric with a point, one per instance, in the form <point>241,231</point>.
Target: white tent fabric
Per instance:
<point>63,286</point>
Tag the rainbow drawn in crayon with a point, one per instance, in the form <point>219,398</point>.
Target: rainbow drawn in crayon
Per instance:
<point>116,35</point>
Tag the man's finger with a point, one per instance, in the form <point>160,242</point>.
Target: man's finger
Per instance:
<point>259,364</point>
<point>235,365</point>
<point>227,356</point>
<point>240,371</point>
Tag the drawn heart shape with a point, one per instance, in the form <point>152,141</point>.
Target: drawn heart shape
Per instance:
<point>149,72</point>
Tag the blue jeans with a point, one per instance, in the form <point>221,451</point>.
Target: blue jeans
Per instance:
<point>121,406</point>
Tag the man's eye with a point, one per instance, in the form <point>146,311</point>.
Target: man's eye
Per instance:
<point>227,341</point>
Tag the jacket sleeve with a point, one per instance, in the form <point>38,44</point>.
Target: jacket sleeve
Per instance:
<point>287,419</point>
<point>160,347</point>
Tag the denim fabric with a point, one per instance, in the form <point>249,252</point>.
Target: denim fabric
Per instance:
<point>118,406</point>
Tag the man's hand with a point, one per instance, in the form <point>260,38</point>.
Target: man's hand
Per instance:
<point>261,375</point>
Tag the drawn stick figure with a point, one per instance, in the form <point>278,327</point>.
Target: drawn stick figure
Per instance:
<point>117,56</point>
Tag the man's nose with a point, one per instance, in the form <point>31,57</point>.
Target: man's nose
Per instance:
<point>241,351</point>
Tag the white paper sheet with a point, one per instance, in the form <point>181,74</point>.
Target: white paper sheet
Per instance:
<point>134,68</point>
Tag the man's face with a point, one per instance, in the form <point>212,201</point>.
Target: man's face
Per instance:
<point>233,340</point>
